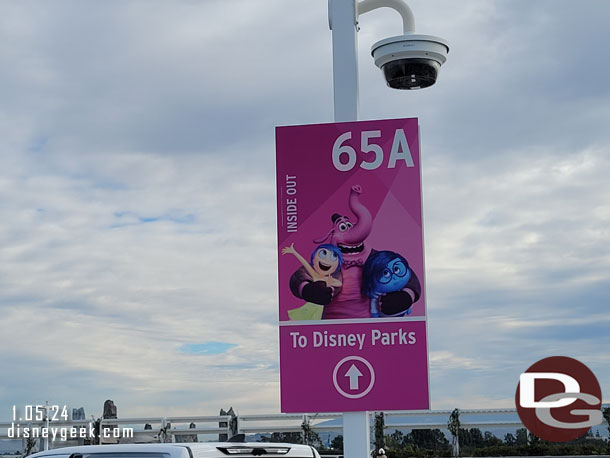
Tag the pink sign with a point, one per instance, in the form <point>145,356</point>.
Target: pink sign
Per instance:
<point>351,267</point>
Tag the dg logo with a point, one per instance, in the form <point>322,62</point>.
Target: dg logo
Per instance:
<point>558,399</point>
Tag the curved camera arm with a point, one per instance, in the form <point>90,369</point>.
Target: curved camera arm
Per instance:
<point>408,20</point>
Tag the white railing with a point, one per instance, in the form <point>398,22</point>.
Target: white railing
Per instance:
<point>165,429</point>
<point>289,423</point>
<point>442,424</point>
<point>173,429</point>
<point>185,428</point>
<point>170,429</point>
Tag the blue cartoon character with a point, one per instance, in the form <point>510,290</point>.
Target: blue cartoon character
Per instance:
<point>325,264</point>
<point>384,272</point>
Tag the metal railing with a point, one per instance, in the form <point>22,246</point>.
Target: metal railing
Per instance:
<point>175,429</point>
<point>289,423</point>
<point>464,423</point>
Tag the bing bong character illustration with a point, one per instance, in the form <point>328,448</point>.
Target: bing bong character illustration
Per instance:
<point>384,272</point>
<point>325,262</point>
<point>348,301</point>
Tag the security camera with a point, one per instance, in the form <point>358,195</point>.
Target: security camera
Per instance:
<point>410,61</point>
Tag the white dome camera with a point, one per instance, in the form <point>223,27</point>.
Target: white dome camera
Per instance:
<point>410,61</point>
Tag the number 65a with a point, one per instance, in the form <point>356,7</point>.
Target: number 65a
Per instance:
<point>345,157</point>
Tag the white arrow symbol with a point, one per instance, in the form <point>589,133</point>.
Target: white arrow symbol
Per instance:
<point>353,373</point>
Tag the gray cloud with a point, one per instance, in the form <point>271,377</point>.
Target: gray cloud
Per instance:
<point>137,192</point>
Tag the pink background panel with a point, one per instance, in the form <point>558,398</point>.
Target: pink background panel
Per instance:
<point>401,371</point>
<point>392,195</point>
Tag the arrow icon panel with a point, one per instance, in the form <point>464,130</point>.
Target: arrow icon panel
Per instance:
<point>353,374</point>
<point>353,377</point>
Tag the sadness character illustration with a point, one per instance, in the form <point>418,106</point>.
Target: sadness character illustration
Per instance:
<point>325,262</point>
<point>384,272</point>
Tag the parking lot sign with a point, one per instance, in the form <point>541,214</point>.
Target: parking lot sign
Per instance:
<point>352,307</point>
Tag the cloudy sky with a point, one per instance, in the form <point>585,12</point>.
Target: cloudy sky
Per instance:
<point>137,194</point>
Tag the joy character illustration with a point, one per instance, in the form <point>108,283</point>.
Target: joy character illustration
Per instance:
<point>384,272</point>
<point>326,260</point>
<point>350,235</point>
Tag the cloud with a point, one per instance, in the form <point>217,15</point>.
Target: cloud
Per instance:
<point>137,193</point>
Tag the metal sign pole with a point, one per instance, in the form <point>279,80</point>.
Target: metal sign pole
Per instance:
<point>342,16</point>
<point>342,22</point>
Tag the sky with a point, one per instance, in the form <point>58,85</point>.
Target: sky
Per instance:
<point>137,194</point>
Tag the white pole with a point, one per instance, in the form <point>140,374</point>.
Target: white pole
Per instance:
<point>356,434</point>
<point>342,20</point>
